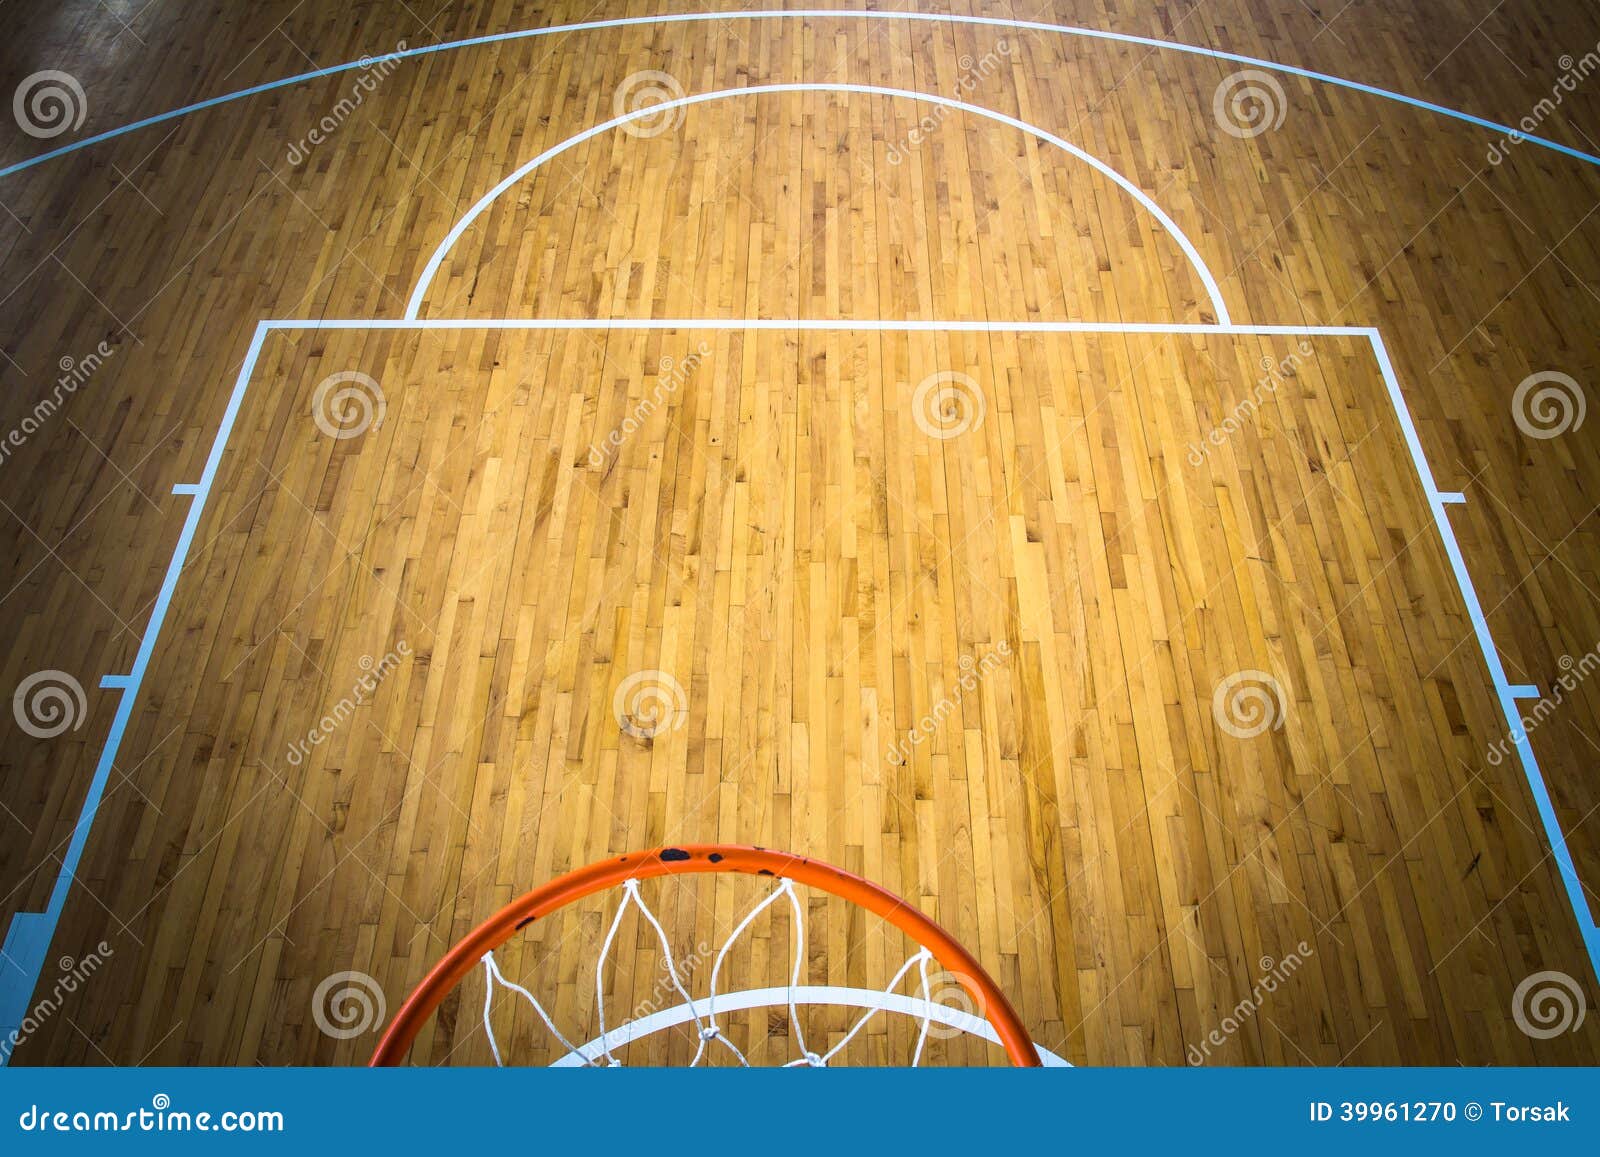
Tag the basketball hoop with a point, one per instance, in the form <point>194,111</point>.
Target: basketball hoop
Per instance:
<point>999,1022</point>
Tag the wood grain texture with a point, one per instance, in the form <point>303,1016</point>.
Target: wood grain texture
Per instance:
<point>776,532</point>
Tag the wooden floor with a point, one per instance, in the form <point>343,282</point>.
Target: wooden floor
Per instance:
<point>810,539</point>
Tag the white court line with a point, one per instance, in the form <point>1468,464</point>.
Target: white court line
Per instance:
<point>415,305</point>
<point>28,939</point>
<point>29,935</point>
<point>813,324</point>
<point>807,994</point>
<point>1506,131</point>
<point>1506,692</point>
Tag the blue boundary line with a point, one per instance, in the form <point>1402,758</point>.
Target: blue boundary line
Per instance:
<point>814,13</point>
<point>27,943</point>
<point>1507,692</point>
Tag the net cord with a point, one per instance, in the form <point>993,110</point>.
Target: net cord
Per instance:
<point>493,975</point>
<point>707,1029</point>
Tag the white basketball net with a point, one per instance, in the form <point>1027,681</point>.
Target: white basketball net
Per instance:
<point>598,1052</point>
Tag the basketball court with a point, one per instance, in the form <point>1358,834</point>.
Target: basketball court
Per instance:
<point>1122,491</point>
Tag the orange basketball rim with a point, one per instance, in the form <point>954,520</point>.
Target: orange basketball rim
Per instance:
<point>689,859</point>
